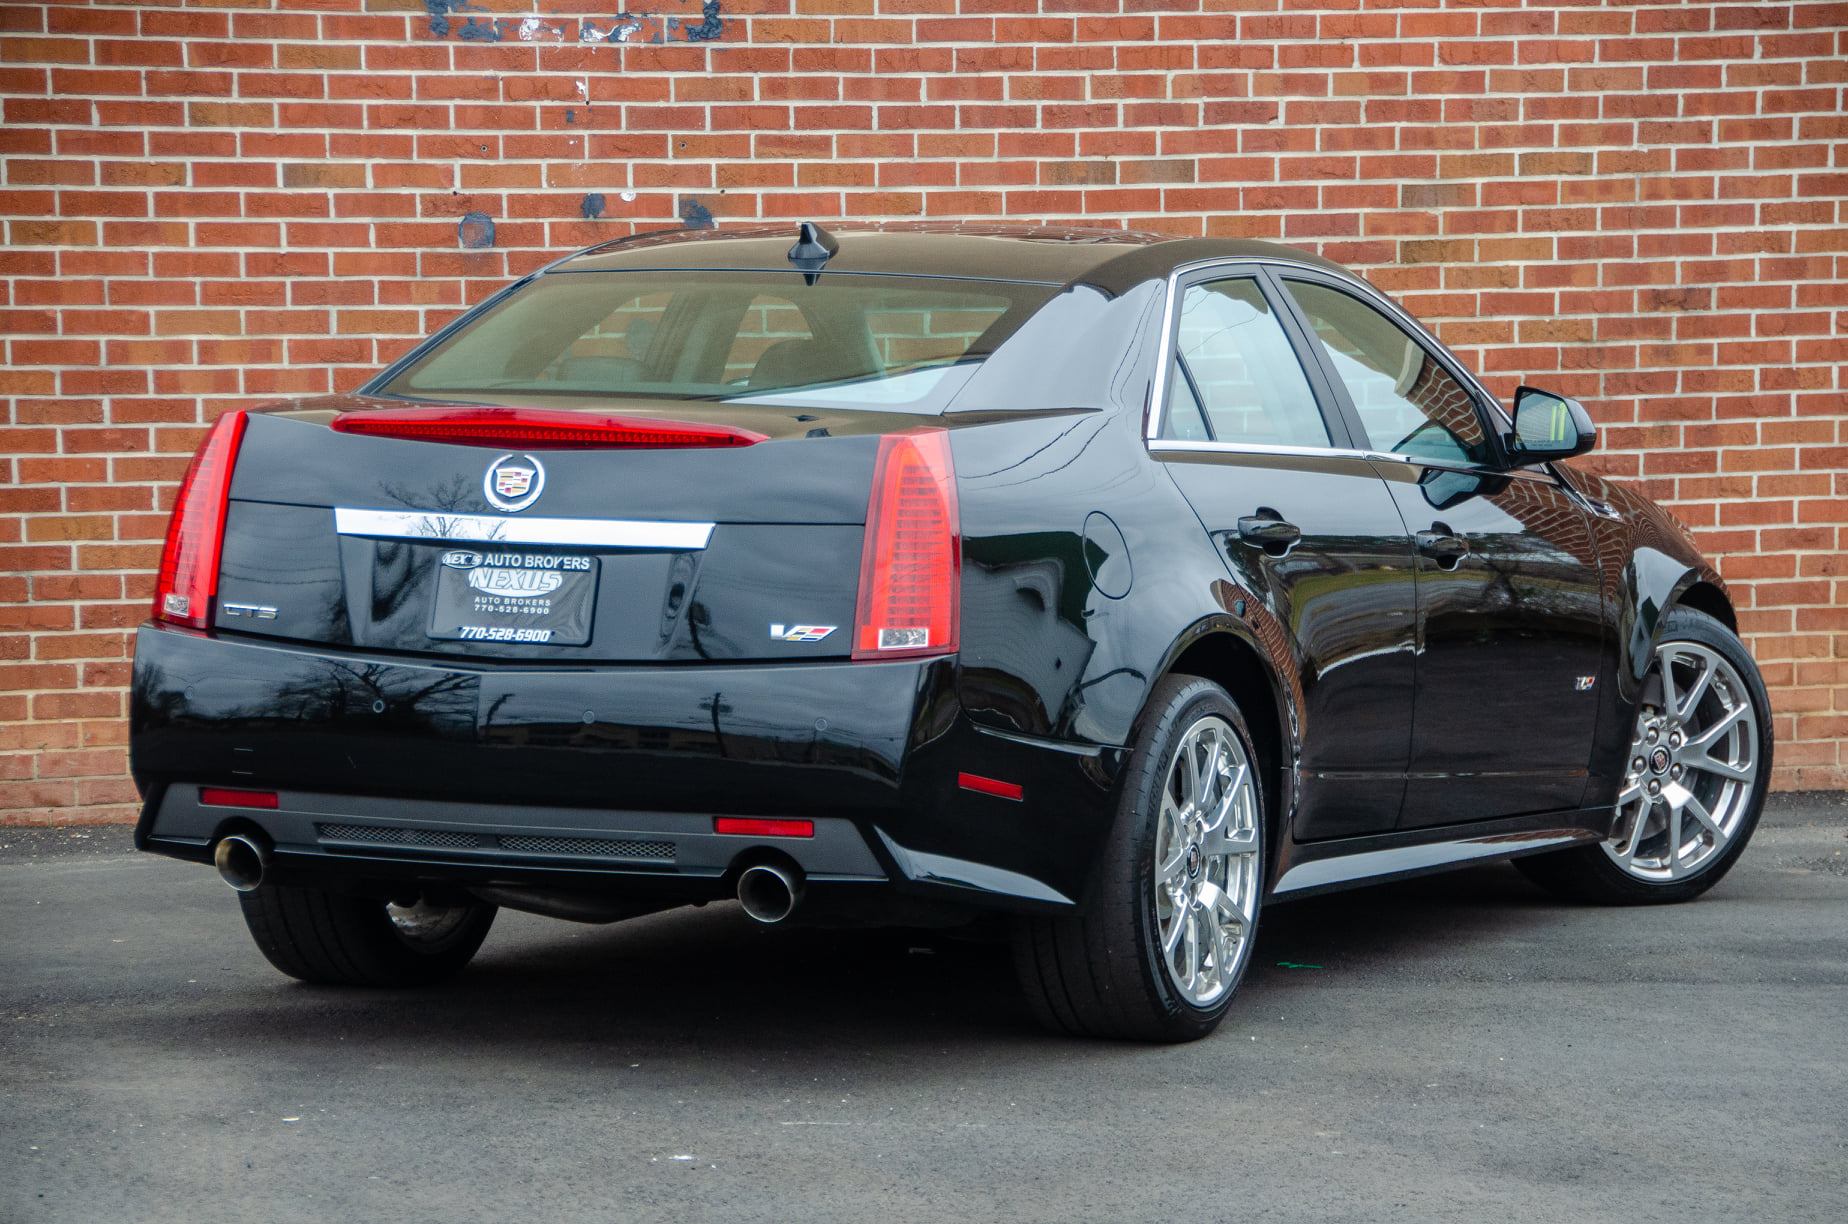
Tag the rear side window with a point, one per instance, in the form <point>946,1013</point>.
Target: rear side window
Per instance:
<point>1407,402</point>
<point>889,342</point>
<point>1235,377</point>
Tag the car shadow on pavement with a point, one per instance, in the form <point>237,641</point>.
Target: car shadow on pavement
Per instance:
<point>709,982</point>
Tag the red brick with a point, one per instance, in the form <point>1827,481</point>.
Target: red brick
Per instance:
<point>210,202</point>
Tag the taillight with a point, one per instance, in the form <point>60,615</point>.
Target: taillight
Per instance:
<point>538,429</point>
<point>911,564</point>
<point>188,580</point>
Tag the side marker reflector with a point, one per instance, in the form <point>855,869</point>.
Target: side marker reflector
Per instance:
<point>750,826</point>
<point>991,786</point>
<point>219,796</point>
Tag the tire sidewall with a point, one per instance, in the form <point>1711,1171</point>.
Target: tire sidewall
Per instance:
<point>1190,701</point>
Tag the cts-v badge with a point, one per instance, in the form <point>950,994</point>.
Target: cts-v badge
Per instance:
<point>514,482</point>
<point>800,633</point>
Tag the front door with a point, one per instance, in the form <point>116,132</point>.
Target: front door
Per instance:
<point>1511,640</point>
<point>1308,526</point>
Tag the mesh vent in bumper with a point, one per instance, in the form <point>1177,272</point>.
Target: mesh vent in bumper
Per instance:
<point>441,838</point>
<point>602,848</point>
<point>444,839</point>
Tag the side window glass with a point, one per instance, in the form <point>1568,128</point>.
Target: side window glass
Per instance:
<point>1234,361</point>
<point>1407,402</point>
<point>1186,420</point>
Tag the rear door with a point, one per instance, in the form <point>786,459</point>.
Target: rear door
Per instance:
<point>1306,527</point>
<point>1511,644</point>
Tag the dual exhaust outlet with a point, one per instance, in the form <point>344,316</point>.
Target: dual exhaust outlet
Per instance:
<point>768,893</point>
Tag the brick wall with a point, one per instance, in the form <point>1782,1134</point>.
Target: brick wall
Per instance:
<point>211,203</point>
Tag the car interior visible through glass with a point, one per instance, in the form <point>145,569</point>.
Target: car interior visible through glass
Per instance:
<point>1235,377</point>
<point>894,343</point>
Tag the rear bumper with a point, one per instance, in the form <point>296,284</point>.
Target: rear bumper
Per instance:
<point>388,766</point>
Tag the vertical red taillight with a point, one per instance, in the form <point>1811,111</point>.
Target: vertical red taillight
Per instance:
<point>195,534</point>
<point>911,564</point>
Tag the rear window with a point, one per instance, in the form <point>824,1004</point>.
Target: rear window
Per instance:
<point>903,343</point>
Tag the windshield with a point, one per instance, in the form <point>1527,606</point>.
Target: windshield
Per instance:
<point>891,343</point>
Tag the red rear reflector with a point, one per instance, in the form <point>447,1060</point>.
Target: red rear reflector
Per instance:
<point>219,796</point>
<point>538,429</point>
<point>748,826</point>
<point>991,786</point>
<point>188,581</point>
<point>911,563</point>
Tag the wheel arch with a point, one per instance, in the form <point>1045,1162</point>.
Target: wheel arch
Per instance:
<point>1654,580</point>
<point>1217,652</point>
<point>1704,596</point>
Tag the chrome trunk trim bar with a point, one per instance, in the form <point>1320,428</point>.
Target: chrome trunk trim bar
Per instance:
<point>435,525</point>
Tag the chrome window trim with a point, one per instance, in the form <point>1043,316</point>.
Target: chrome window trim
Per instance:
<point>1158,389</point>
<point>1253,448</point>
<point>507,529</point>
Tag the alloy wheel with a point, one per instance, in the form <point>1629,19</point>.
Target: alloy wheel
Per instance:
<point>425,923</point>
<point>1206,862</point>
<point>1693,767</point>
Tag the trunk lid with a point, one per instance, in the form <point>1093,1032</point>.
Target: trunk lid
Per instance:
<point>596,555</point>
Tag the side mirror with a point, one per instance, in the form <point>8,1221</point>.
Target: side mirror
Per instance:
<point>1548,426</point>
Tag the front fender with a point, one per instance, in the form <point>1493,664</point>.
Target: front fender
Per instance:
<point>1650,564</point>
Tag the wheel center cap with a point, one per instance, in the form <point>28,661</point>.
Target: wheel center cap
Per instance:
<point>1193,861</point>
<point>1658,760</point>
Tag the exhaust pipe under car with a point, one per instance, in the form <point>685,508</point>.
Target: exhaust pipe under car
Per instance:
<point>241,861</point>
<point>769,893</point>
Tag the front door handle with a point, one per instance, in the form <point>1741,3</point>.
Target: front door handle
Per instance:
<point>1442,546</point>
<point>1269,532</point>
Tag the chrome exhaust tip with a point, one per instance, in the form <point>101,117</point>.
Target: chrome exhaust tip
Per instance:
<point>241,861</point>
<point>769,893</point>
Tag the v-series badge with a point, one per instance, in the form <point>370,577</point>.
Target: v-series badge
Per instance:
<point>800,633</point>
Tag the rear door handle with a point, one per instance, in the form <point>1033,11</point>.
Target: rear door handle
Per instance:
<point>1269,532</point>
<point>1442,546</point>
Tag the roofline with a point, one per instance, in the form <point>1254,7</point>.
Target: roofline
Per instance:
<point>1144,255</point>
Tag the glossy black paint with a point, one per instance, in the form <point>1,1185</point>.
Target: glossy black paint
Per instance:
<point>1401,696</point>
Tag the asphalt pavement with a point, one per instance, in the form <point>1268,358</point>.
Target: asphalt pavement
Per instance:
<point>1455,1048</point>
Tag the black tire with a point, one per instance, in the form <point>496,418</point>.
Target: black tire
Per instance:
<point>1587,873</point>
<point>1099,972</point>
<point>336,939</point>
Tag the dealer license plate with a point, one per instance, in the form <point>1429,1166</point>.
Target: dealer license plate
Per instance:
<point>492,595</point>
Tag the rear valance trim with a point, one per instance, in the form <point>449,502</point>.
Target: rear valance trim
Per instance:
<point>505,529</point>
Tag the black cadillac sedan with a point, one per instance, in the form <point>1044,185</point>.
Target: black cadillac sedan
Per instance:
<point>1117,585</point>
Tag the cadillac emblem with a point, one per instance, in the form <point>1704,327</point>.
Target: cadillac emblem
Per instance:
<point>514,482</point>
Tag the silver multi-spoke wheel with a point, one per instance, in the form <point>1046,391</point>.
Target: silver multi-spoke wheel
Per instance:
<point>1206,862</point>
<point>1693,767</point>
<point>426,923</point>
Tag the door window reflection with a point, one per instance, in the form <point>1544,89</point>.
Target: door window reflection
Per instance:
<point>1408,403</point>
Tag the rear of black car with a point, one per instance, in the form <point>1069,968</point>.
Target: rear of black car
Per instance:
<point>626,584</point>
